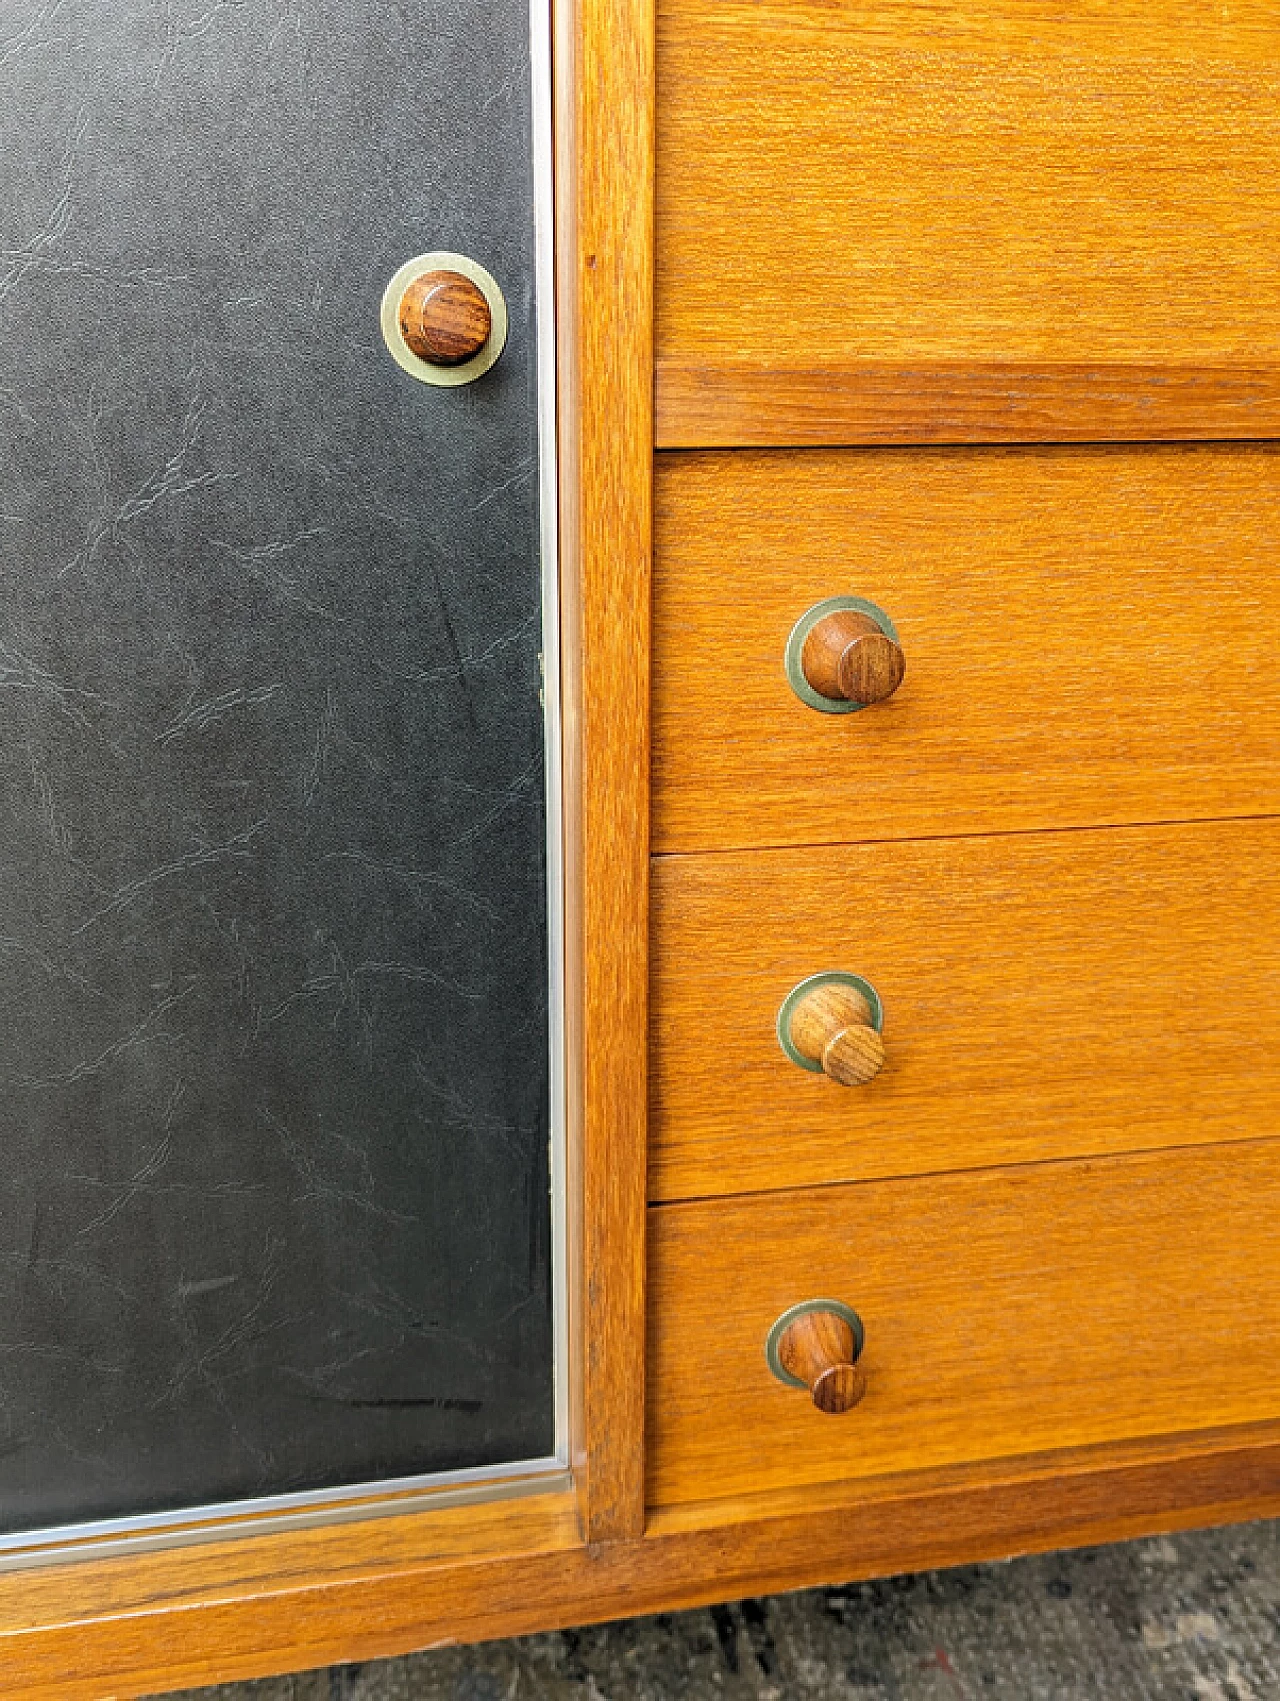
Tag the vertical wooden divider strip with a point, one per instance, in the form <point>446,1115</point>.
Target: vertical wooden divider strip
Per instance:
<point>604,75</point>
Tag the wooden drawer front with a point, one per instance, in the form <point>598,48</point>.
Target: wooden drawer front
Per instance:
<point>933,222</point>
<point>1047,995</point>
<point>1006,1312</point>
<point>1089,637</point>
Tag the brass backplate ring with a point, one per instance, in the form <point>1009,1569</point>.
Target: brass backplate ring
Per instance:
<point>795,650</point>
<point>448,377</point>
<point>806,1306</point>
<point>831,977</point>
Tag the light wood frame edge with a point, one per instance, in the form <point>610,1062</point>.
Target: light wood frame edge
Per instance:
<point>604,72</point>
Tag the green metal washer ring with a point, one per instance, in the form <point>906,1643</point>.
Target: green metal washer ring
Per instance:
<point>802,1310</point>
<point>831,977</point>
<point>795,649</point>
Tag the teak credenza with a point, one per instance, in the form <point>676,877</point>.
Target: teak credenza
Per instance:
<point>917,397</point>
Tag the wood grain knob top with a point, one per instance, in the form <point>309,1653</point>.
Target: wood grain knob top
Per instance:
<point>445,318</point>
<point>848,658</point>
<point>831,1026</point>
<point>819,1350</point>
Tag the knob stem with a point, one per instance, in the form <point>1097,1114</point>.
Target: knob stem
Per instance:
<point>819,1350</point>
<point>848,658</point>
<point>445,318</point>
<point>831,1026</point>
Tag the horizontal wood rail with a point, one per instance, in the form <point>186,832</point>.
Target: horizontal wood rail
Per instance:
<point>740,404</point>
<point>128,1626</point>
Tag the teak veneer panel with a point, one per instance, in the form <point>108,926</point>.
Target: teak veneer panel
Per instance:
<point>731,403</point>
<point>1046,995</point>
<point>1089,638</point>
<point>1047,203</point>
<point>1006,1312</point>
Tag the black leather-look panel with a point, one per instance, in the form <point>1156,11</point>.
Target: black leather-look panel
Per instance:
<point>273,1102</point>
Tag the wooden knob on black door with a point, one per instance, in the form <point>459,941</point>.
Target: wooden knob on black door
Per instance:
<point>832,1027</point>
<point>820,1349</point>
<point>445,318</point>
<point>848,658</point>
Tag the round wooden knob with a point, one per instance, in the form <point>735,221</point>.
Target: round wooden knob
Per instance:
<point>831,1026</point>
<point>445,318</point>
<point>849,659</point>
<point>820,1350</point>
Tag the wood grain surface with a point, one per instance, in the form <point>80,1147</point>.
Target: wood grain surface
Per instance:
<point>848,658</point>
<point>1046,995</point>
<point>445,318</point>
<point>732,403</point>
<point>819,1349</point>
<point>130,1627</point>
<point>832,1027</point>
<point>1089,638</point>
<point>1010,186</point>
<point>604,212</point>
<point>1006,1312</point>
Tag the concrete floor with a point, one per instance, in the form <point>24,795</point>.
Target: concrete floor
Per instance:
<point>1187,1618</point>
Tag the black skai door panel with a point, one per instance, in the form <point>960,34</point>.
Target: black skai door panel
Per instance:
<point>273,992</point>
